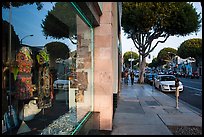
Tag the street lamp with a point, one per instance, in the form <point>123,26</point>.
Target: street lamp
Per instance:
<point>24,38</point>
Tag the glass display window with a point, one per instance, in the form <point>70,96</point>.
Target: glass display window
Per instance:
<point>47,70</point>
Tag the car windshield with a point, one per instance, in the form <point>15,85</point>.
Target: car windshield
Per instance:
<point>167,78</point>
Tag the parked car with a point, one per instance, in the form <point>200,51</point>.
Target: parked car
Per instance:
<point>166,83</point>
<point>160,73</point>
<point>149,78</point>
<point>195,75</point>
<point>182,74</point>
<point>177,74</point>
<point>61,84</point>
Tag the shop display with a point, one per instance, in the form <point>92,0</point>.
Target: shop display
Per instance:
<point>10,118</point>
<point>4,102</point>
<point>82,78</point>
<point>24,85</point>
<point>79,96</point>
<point>23,128</point>
<point>3,127</point>
<point>29,72</point>
<point>45,93</point>
<point>29,111</point>
<point>64,125</point>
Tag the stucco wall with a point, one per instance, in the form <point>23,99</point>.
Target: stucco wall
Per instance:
<point>105,58</point>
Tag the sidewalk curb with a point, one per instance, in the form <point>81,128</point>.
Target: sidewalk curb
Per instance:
<point>131,120</point>
<point>192,108</point>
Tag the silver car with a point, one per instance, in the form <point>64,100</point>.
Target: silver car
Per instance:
<point>166,83</point>
<point>61,84</point>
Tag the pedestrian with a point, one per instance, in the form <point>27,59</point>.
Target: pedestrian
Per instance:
<point>126,77</point>
<point>132,75</point>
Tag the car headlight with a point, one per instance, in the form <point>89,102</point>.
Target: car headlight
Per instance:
<point>165,86</point>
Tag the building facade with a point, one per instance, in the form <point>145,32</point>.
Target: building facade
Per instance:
<point>54,90</point>
<point>186,66</point>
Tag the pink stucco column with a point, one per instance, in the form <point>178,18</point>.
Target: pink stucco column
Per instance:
<point>104,65</point>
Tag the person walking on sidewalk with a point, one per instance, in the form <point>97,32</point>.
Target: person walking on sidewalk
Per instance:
<point>132,76</point>
<point>126,77</point>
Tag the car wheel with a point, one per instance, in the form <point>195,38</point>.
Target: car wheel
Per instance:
<point>155,86</point>
<point>160,88</point>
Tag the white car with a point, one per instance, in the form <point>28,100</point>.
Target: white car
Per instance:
<point>61,84</point>
<point>166,83</point>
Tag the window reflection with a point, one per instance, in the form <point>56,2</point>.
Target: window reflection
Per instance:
<point>51,67</point>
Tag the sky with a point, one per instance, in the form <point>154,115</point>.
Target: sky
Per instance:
<point>172,41</point>
<point>29,23</point>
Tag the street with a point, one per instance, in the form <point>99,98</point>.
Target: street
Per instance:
<point>192,93</point>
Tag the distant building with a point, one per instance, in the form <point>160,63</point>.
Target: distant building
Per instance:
<point>179,64</point>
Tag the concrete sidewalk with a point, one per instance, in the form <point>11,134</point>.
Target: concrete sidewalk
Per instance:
<point>143,110</point>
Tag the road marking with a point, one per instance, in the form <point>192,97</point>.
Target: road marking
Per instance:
<point>193,88</point>
<point>194,82</point>
<point>198,94</point>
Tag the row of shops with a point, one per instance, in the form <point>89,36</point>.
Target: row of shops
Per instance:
<point>53,81</point>
<point>186,66</point>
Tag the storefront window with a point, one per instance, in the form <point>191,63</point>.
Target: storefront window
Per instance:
<point>47,68</point>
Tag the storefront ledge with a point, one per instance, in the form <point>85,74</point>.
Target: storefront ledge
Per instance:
<point>91,124</point>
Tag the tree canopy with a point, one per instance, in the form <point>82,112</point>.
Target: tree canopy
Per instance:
<point>60,22</point>
<point>154,63</point>
<point>18,4</point>
<point>57,50</point>
<point>151,23</point>
<point>191,48</point>
<point>127,56</point>
<point>15,42</point>
<point>165,55</point>
<point>145,21</point>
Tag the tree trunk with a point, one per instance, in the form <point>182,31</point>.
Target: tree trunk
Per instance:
<point>142,70</point>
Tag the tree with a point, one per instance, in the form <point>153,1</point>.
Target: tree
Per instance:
<point>18,4</point>
<point>154,63</point>
<point>127,56</point>
<point>15,42</point>
<point>191,48</point>
<point>57,50</point>
<point>59,23</point>
<point>165,55</point>
<point>151,23</point>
